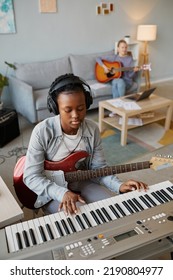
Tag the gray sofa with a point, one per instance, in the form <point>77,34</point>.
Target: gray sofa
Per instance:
<point>30,83</point>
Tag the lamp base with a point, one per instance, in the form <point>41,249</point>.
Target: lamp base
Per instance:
<point>146,73</point>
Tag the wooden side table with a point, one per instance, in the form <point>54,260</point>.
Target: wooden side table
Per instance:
<point>10,211</point>
<point>161,106</point>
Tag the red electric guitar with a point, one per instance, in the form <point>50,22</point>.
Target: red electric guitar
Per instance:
<point>28,198</point>
<point>115,72</point>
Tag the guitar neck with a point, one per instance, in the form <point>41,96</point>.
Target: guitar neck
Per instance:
<point>82,175</point>
<point>124,68</point>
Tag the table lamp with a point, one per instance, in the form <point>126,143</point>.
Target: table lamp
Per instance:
<point>146,33</point>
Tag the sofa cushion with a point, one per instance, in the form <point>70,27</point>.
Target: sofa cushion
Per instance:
<point>100,89</point>
<point>84,65</point>
<point>41,74</point>
<point>41,98</point>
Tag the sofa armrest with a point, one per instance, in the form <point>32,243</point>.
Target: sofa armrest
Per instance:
<point>22,98</point>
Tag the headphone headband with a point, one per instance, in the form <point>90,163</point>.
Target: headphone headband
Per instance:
<point>69,79</point>
<point>63,81</point>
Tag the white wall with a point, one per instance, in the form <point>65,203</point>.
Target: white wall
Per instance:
<point>76,28</point>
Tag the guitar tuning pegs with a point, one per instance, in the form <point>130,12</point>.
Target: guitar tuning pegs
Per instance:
<point>149,66</point>
<point>169,156</point>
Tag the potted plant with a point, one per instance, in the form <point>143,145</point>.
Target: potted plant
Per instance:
<point>4,80</point>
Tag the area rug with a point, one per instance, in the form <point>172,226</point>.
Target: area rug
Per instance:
<point>167,138</point>
<point>148,135</point>
<point>117,154</point>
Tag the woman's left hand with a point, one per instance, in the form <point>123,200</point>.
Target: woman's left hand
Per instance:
<point>132,185</point>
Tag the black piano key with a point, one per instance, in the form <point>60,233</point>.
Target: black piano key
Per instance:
<point>166,194</point>
<point>157,197</point>
<point>170,190</point>
<point>162,196</point>
<point>128,207</point>
<point>31,232</point>
<point>78,219</point>
<point>49,231</point>
<point>19,241</point>
<point>150,200</point>
<point>133,205</point>
<point>86,220</point>
<point>59,228</point>
<point>114,211</point>
<point>25,237</point>
<point>95,217</point>
<point>65,226</point>
<point>71,224</point>
<point>145,201</point>
<point>106,214</point>
<point>101,215</point>
<point>120,209</point>
<point>138,204</point>
<point>43,235</point>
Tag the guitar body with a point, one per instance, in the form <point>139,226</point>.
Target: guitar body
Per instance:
<point>103,77</point>
<point>115,70</point>
<point>26,196</point>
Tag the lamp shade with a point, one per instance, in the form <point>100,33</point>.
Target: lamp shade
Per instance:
<point>146,32</point>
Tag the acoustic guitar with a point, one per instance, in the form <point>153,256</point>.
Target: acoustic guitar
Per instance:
<point>115,71</point>
<point>68,165</point>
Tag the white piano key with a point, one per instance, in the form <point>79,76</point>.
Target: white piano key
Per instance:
<point>26,228</point>
<point>82,210</point>
<point>53,219</point>
<point>135,194</point>
<point>42,222</point>
<point>58,219</point>
<point>77,226</point>
<point>37,224</point>
<point>20,231</point>
<point>31,225</point>
<point>132,195</point>
<point>101,204</point>
<point>86,209</point>
<point>93,206</point>
<point>153,198</point>
<point>74,222</point>
<point>118,199</point>
<point>48,221</point>
<point>10,239</point>
<point>64,217</point>
<point>106,203</point>
<point>14,231</point>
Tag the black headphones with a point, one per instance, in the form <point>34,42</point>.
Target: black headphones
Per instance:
<point>63,81</point>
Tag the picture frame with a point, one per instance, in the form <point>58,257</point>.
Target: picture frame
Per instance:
<point>104,8</point>
<point>7,21</point>
<point>48,6</point>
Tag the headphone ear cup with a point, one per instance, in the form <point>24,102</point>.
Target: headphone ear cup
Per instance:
<point>88,99</point>
<point>52,106</point>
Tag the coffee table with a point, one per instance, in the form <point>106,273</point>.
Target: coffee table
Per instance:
<point>162,108</point>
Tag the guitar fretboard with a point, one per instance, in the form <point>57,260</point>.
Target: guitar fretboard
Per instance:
<point>82,175</point>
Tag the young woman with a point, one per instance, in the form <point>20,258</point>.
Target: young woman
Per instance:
<point>126,81</point>
<point>61,136</point>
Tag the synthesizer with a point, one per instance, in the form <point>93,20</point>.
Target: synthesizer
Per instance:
<point>138,221</point>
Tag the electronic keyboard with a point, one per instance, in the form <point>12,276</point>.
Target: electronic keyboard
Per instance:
<point>136,224</point>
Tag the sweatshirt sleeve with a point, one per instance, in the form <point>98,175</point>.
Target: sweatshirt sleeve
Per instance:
<point>34,174</point>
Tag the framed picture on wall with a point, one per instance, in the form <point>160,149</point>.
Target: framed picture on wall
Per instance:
<point>7,23</point>
<point>104,8</point>
<point>47,6</point>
